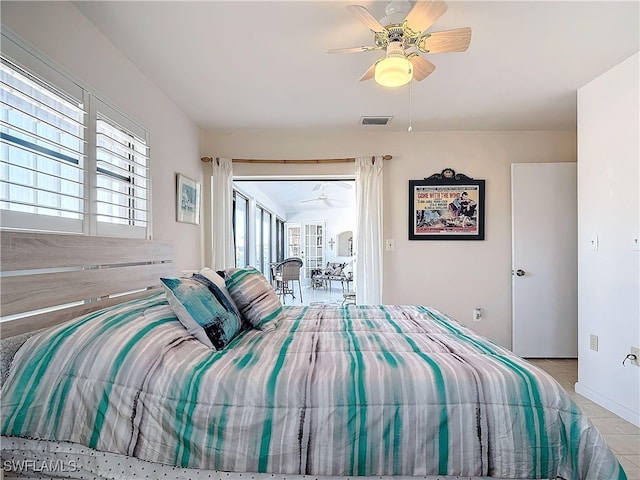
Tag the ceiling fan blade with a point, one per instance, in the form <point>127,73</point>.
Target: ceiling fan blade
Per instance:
<point>365,17</point>
<point>424,14</point>
<point>354,49</point>
<point>309,200</point>
<point>317,186</point>
<point>327,203</point>
<point>456,40</point>
<point>369,73</point>
<point>422,67</point>
<point>344,185</point>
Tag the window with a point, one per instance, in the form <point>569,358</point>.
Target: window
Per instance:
<point>42,154</point>
<point>253,234</point>
<point>68,161</point>
<point>263,239</point>
<point>122,174</point>
<point>257,222</point>
<point>266,241</point>
<point>279,240</point>
<point>241,228</point>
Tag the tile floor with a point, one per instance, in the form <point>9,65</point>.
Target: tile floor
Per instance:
<point>312,295</point>
<point>622,436</point>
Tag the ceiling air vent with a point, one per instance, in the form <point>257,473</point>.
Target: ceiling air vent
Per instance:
<point>382,121</point>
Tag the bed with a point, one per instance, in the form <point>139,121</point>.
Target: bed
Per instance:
<point>127,391</point>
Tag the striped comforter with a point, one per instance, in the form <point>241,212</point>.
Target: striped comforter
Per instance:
<point>359,390</point>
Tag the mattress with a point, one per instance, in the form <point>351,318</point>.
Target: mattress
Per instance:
<point>382,390</point>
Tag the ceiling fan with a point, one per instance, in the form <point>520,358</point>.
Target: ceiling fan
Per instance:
<point>404,37</point>
<point>323,197</point>
<point>325,183</point>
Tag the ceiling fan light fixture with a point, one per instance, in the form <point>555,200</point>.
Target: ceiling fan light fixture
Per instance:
<point>394,70</point>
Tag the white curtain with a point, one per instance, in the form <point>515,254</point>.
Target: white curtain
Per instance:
<point>222,248</point>
<point>368,251</point>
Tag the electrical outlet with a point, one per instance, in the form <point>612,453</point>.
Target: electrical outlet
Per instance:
<point>635,351</point>
<point>477,314</point>
<point>593,343</point>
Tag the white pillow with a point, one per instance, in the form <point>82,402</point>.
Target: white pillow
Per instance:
<point>217,280</point>
<point>348,268</point>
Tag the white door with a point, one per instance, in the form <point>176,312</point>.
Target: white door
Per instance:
<point>313,247</point>
<point>544,259</point>
<point>306,240</point>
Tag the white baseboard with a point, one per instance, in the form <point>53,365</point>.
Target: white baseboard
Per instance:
<point>621,411</point>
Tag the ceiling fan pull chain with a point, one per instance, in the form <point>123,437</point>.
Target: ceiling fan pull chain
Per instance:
<point>410,105</point>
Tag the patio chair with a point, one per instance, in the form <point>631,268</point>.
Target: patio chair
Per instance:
<point>288,271</point>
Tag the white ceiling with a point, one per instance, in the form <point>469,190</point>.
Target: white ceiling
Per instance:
<point>244,65</point>
<point>263,65</point>
<point>302,196</point>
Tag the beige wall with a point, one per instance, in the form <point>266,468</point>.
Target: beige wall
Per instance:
<point>452,276</point>
<point>62,33</point>
<point>609,208</point>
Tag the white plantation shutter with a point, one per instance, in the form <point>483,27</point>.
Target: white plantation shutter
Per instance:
<point>69,162</point>
<point>122,175</point>
<point>42,153</point>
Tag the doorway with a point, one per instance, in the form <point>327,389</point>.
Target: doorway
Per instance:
<point>308,213</point>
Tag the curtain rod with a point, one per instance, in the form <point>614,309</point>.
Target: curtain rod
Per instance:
<point>291,162</point>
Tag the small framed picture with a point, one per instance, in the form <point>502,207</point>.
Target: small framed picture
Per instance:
<point>187,200</point>
<point>446,209</point>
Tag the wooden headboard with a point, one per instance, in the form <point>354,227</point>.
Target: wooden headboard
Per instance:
<point>42,274</point>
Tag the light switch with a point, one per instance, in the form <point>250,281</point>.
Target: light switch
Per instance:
<point>635,243</point>
<point>390,245</point>
<point>593,243</point>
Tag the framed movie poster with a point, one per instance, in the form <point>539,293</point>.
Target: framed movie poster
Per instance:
<point>187,200</point>
<point>446,208</point>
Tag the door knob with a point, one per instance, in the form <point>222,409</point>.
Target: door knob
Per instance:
<point>520,272</point>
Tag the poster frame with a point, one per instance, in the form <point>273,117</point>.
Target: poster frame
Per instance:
<point>446,223</point>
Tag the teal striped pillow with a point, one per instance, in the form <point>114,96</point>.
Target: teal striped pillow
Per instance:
<point>255,297</point>
<point>198,309</point>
